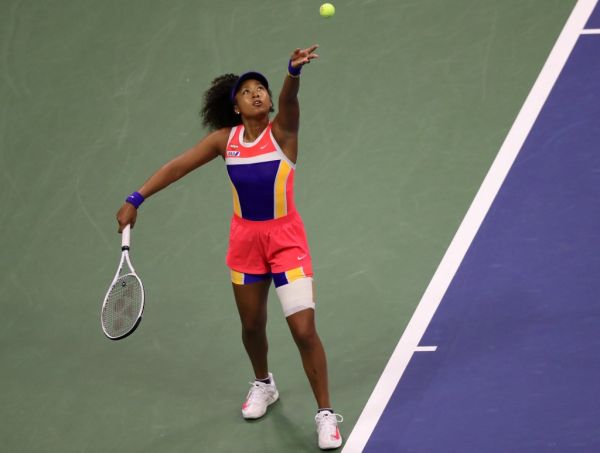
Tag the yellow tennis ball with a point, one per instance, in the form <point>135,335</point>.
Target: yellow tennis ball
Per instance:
<point>327,10</point>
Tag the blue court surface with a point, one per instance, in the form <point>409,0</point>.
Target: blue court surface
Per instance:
<point>514,347</point>
<point>594,21</point>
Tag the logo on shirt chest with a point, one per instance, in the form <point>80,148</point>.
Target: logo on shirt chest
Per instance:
<point>233,153</point>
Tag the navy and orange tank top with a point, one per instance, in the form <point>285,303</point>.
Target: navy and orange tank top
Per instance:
<point>262,177</point>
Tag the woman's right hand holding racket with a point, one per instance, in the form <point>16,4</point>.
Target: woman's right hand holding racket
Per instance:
<point>126,216</point>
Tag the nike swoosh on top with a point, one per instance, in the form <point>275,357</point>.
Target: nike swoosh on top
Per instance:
<point>337,434</point>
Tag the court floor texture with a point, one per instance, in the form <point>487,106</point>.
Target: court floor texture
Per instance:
<point>448,177</point>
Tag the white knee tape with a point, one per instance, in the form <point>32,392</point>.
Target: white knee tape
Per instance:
<point>296,296</point>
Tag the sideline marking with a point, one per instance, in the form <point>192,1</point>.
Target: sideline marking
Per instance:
<point>467,230</point>
<point>591,31</point>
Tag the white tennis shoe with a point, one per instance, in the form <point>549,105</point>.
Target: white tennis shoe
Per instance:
<point>259,397</point>
<point>328,431</point>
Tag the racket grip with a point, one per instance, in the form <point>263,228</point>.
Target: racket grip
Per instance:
<point>125,237</point>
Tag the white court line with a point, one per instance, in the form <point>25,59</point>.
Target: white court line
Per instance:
<point>447,268</point>
<point>591,31</point>
<point>426,349</point>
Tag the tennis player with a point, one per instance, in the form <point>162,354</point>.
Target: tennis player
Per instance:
<point>267,240</point>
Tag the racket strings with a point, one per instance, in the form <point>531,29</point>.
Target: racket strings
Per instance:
<point>123,306</point>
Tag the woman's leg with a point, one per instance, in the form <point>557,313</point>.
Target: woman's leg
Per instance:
<point>251,300</point>
<point>302,326</point>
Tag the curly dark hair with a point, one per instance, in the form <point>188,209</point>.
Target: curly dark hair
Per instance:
<point>217,109</point>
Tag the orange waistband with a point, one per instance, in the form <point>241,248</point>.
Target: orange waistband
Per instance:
<point>260,224</point>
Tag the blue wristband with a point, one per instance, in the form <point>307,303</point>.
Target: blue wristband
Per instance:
<point>294,72</point>
<point>135,199</point>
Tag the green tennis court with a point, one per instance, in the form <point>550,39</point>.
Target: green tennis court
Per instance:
<point>401,119</point>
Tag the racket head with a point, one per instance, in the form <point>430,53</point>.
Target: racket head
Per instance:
<point>123,307</point>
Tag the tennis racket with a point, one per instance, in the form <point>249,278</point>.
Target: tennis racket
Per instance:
<point>124,301</point>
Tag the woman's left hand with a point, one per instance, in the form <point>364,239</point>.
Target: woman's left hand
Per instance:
<point>300,57</point>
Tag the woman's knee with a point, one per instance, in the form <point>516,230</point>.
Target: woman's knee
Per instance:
<point>253,327</point>
<point>305,336</point>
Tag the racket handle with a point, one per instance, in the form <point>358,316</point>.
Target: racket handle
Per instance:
<point>125,237</point>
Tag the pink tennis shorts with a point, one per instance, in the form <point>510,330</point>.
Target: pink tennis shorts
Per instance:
<point>268,246</point>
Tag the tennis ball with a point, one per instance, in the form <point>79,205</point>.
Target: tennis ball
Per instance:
<point>327,10</point>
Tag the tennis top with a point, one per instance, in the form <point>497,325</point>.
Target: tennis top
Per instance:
<point>262,177</point>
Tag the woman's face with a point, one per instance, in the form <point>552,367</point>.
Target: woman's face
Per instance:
<point>252,99</point>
